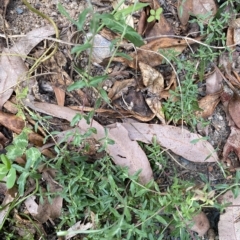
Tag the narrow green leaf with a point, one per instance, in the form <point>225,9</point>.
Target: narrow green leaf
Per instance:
<point>79,48</point>
<point>77,85</point>
<point>96,80</point>
<point>121,28</point>
<point>124,55</point>
<point>104,95</point>
<point>21,182</point>
<point>11,178</point>
<point>76,119</point>
<point>82,18</point>
<point>63,11</point>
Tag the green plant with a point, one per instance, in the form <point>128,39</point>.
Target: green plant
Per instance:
<point>18,148</point>
<point>155,15</point>
<point>7,171</point>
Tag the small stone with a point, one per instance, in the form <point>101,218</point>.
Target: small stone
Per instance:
<point>19,11</point>
<point>220,118</point>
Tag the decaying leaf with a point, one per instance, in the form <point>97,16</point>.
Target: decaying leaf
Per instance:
<point>78,226</point>
<point>152,79</point>
<point>232,144</point>
<point>229,223</point>
<point>12,66</point>
<point>234,108</point>
<point>201,224</point>
<point>182,142</point>
<point>120,87</point>
<point>124,152</point>
<point>214,83</point>
<point>10,195</point>
<point>156,107</point>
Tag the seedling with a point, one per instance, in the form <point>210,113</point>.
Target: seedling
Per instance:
<point>155,15</point>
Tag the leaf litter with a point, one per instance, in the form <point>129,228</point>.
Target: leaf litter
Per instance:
<point>126,150</point>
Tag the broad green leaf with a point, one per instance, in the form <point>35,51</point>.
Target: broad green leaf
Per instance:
<point>124,55</point>
<point>150,19</point>
<point>159,11</point>
<point>152,12</point>
<point>32,154</point>
<point>21,141</point>
<point>126,11</point>
<point>3,171</point>
<point>11,178</point>
<point>77,85</point>
<point>13,152</point>
<point>6,161</point>
<point>79,48</point>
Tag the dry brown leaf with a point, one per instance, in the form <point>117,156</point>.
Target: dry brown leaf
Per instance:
<point>156,107</point>
<point>121,87</point>
<point>229,224</point>
<point>229,40</point>
<point>152,79</point>
<point>35,139</point>
<point>208,105</point>
<point>234,108</point>
<point>12,122</point>
<point>10,107</point>
<point>124,152</point>
<point>214,83</point>
<point>201,224</point>
<point>184,9</point>
<point>78,226</point>
<point>232,144</point>
<point>148,53</point>
<point>119,113</point>
<point>13,68</point>
<point>60,95</point>
<point>204,7</point>
<point>175,139</point>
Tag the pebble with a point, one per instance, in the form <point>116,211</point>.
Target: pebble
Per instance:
<point>19,10</point>
<point>220,117</point>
